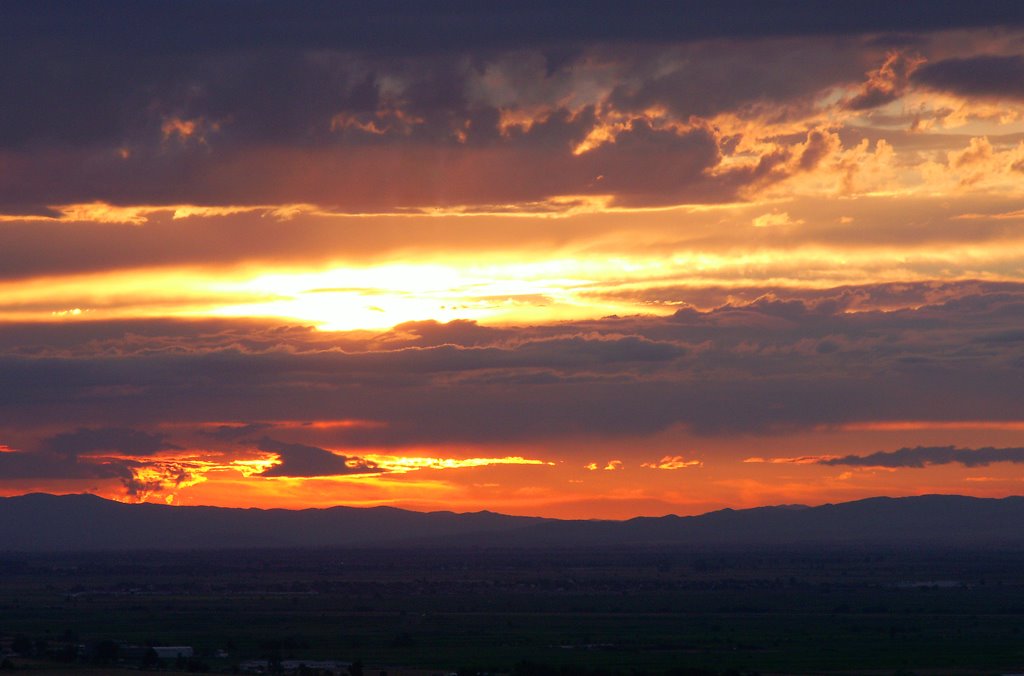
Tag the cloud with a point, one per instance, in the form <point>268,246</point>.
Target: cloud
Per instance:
<point>162,25</point>
<point>138,478</point>
<point>15,464</point>
<point>886,83</point>
<point>773,78</point>
<point>299,460</point>
<point>880,353</point>
<point>798,460</point>
<point>923,456</point>
<point>992,76</point>
<point>404,463</point>
<point>86,441</point>
<point>311,112</point>
<point>979,151</point>
<point>382,178</point>
<point>775,219</point>
<point>672,462</point>
<point>610,466</point>
<point>235,431</point>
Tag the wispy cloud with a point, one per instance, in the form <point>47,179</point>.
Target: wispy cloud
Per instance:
<point>797,460</point>
<point>922,456</point>
<point>671,462</point>
<point>916,457</point>
<point>409,463</point>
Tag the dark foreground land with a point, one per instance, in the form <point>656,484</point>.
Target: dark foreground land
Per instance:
<point>525,611</point>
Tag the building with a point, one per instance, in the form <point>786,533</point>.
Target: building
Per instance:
<point>173,652</point>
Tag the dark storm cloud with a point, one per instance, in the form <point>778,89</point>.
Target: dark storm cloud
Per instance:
<point>299,460</point>
<point>644,165</point>
<point>773,364</point>
<point>234,432</point>
<point>85,441</point>
<point>16,465</point>
<point>367,106</point>
<point>25,465</point>
<point>709,78</point>
<point>36,465</point>
<point>650,166</point>
<point>196,25</point>
<point>922,456</point>
<point>977,76</point>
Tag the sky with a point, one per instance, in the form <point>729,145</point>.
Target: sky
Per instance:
<point>590,260</point>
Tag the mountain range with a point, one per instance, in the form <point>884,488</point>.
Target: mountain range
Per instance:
<point>43,522</point>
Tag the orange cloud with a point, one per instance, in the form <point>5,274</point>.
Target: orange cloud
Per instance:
<point>402,464</point>
<point>191,129</point>
<point>886,83</point>
<point>775,219</point>
<point>671,462</point>
<point>797,460</point>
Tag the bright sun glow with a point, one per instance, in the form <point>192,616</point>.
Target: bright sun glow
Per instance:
<point>584,286</point>
<point>381,297</point>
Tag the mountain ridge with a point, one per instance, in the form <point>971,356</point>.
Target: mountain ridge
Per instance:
<point>82,522</point>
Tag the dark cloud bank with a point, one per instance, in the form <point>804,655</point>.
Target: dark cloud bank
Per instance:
<point>774,364</point>
<point>94,453</point>
<point>922,456</point>
<point>397,25</point>
<point>978,76</point>
<point>377,106</point>
<point>299,460</point>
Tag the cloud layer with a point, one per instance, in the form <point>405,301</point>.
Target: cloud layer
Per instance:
<point>922,456</point>
<point>274,107</point>
<point>787,360</point>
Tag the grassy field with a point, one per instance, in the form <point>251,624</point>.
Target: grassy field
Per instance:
<point>646,611</point>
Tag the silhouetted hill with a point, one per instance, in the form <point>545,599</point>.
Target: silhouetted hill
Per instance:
<point>40,522</point>
<point>86,522</point>
<point>951,520</point>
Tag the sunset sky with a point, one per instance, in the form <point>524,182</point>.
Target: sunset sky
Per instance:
<point>585,260</point>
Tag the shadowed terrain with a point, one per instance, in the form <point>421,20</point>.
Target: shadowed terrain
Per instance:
<point>41,522</point>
